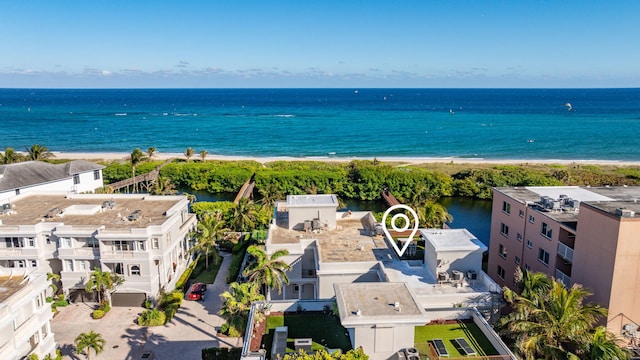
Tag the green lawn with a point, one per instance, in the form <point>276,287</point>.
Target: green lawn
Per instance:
<point>448,333</point>
<point>325,330</point>
<point>200,274</point>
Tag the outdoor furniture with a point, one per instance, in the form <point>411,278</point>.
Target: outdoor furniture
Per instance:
<point>466,348</point>
<point>303,344</point>
<point>440,348</point>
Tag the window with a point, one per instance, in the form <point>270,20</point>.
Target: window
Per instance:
<point>141,245</point>
<point>529,244</point>
<point>118,268</point>
<point>502,251</point>
<point>532,219</point>
<point>65,243</point>
<point>527,267</point>
<point>519,237</point>
<point>134,270</point>
<point>92,242</point>
<point>517,260</point>
<point>155,243</point>
<point>68,265</point>
<point>96,174</point>
<point>76,179</point>
<point>47,239</point>
<point>546,230</point>
<point>17,191</point>
<point>506,207</point>
<point>83,265</point>
<point>521,213</point>
<point>20,263</point>
<point>34,263</point>
<point>32,242</point>
<point>543,256</point>
<point>500,272</point>
<point>504,229</point>
<point>121,245</point>
<point>296,288</point>
<point>14,242</point>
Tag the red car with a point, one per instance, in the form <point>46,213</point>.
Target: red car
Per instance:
<point>196,291</point>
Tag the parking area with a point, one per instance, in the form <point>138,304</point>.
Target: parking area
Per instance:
<point>193,328</point>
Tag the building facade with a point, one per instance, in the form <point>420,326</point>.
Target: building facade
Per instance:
<point>578,235</point>
<point>25,316</point>
<point>143,238</point>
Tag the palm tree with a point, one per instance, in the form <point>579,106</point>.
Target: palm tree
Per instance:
<point>269,193</point>
<point>244,215</point>
<point>137,156</point>
<point>553,324</point>
<point>90,341</point>
<point>203,155</point>
<point>267,270</point>
<point>55,279</point>
<point>433,215</point>
<point>9,156</point>
<point>188,153</point>
<point>528,284</point>
<point>236,303</point>
<point>38,152</point>
<point>604,346</point>
<point>163,186</point>
<point>102,282</point>
<point>151,152</point>
<point>210,229</point>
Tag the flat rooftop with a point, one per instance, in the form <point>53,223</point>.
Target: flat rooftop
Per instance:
<point>372,301</point>
<point>452,240</point>
<point>9,285</point>
<point>34,209</point>
<point>349,242</point>
<point>312,200</point>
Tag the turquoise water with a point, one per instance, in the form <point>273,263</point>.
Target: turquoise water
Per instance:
<point>464,123</point>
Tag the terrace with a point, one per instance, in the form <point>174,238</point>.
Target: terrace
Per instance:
<point>448,333</point>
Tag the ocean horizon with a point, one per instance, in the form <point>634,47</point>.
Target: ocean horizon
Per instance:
<point>489,124</point>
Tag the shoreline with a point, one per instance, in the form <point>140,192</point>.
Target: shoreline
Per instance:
<point>395,159</point>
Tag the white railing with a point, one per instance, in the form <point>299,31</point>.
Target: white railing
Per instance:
<point>565,252</point>
<point>566,280</point>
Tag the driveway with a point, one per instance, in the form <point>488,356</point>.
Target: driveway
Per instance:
<point>192,329</point>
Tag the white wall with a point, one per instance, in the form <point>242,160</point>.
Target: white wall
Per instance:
<point>64,186</point>
<point>298,215</point>
<point>382,342</point>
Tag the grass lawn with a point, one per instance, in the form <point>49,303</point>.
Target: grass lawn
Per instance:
<point>200,274</point>
<point>325,330</point>
<point>448,333</point>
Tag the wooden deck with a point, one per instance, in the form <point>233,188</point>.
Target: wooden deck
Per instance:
<point>145,180</point>
<point>246,191</point>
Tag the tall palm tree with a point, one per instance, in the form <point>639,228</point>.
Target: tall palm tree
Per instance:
<point>90,341</point>
<point>553,324</point>
<point>9,156</point>
<point>210,229</point>
<point>236,303</point>
<point>244,215</point>
<point>267,270</point>
<point>151,152</point>
<point>433,215</point>
<point>38,152</point>
<point>203,155</point>
<point>102,282</point>
<point>188,153</point>
<point>528,284</point>
<point>269,193</point>
<point>55,279</point>
<point>137,156</point>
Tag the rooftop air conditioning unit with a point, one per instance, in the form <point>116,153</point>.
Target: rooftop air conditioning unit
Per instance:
<point>472,275</point>
<point>622,212</point>
<point>456,275</point>
<point>443,276</point>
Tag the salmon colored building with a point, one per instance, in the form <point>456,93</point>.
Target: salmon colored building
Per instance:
<point>578,235</point>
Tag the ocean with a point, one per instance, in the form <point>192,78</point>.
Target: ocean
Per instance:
<point>500,124</point>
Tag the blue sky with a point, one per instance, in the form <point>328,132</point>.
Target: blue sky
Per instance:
<point>216,44</point>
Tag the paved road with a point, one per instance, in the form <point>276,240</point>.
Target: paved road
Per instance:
<point>192,329</point>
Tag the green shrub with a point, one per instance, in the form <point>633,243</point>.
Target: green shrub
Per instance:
<point>105,306</point>
<point>49,299</point>
<point>153,317</point>
<point>221,353</point>
<point>98,314</point>
<point>234,267</point>
<point>60,303</point>
<point>171,302</point>
<point>184,278</point>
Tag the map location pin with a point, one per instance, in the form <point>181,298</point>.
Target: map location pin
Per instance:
<point>406,225</point>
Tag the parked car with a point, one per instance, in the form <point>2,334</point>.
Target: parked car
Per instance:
<point>196,291</point>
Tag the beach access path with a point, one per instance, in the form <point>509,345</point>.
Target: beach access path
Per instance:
<point>193,328</point>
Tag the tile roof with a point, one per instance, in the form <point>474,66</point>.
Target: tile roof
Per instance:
<point>24,174</point>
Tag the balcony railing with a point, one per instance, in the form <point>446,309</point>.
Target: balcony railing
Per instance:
<point>566,280</point>
<point>80,251</point>
<point>565,252</point>
<point>18,252</point>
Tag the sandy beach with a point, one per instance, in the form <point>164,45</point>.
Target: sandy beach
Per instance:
<point>108,156</point>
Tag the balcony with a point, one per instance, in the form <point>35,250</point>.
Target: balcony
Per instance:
<point>564,278</point>
<point>80,252</point>
<point>308,273</point>
<point>124,254</point>
<point>565,252</point>
<point>12,253</point>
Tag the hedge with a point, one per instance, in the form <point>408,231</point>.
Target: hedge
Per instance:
<point>221,353</point>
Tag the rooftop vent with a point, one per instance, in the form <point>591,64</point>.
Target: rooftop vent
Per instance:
<point>622,212</point>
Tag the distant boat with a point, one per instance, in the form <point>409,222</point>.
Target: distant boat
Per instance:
<point>568,105</point>
<point>530,140</point>
<point>452,112</point>
<point>355,91</point>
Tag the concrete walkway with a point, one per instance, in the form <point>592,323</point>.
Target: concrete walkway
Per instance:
<point>193,328</point>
